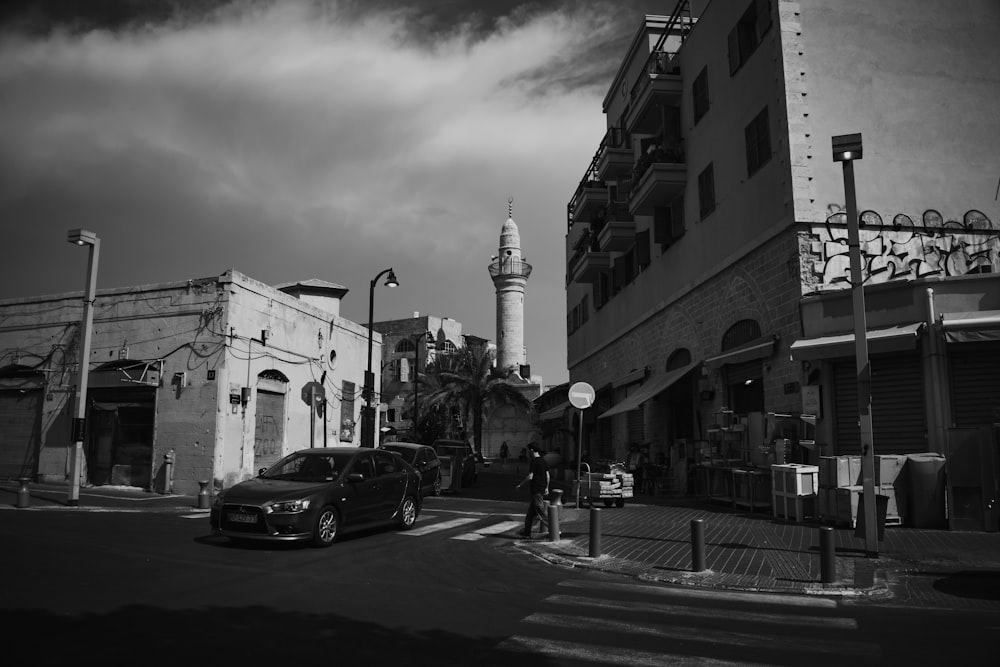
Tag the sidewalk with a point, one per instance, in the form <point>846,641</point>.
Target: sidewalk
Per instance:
<point>650,539</point>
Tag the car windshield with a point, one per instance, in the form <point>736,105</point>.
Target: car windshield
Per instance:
<point>406,453</point>
<point>308,467</point>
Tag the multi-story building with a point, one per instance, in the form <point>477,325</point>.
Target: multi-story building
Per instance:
<point>707,257</point>
<point>216,377</point>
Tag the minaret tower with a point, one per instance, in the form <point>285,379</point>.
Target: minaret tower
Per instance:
<point>510,276</point>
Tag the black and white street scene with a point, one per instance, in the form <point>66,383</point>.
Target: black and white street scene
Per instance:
<point>680,343</point>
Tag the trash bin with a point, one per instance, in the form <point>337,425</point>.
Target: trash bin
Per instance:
<point>925,474</point>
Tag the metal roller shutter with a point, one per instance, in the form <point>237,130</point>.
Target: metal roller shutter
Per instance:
<point>898,412</point>
<point>974,374</point>
<point>20,415</point>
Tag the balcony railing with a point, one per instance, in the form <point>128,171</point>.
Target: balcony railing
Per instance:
<point>659,63</point>
<point>510,266</point>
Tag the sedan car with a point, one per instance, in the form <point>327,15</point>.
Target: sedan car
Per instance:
<point>424,459</point>
<point>316,494</point>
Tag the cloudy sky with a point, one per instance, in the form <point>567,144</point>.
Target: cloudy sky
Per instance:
<point>293,140</point>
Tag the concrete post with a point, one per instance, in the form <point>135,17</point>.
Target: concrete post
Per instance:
<point>23,495</point>
<point>595,532</point>
<point>203,499</point>
<point>697,545</point>
<point>827,556</point>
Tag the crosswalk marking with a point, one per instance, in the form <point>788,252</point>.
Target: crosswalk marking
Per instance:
<point>611,655</point>
<point>618,623</point>
<point>710,594</point>
<point>493,529</point>
<point>707,635</point>
<point>441,525</point>
<point>683,611</point>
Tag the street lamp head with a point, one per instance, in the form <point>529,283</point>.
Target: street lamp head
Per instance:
<point>846,147</point>
<point>390,280</point>
<point>81,237</point>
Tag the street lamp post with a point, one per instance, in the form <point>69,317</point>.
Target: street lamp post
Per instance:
<point>83,237</point>
<point>368,421</point>
<point>846,149</point>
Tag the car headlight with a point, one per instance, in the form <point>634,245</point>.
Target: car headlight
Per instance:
<point>289,506</point>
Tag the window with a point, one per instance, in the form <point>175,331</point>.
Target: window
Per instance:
<point>642,249</point>
<point>746,36</point>
<point>405,345</point>
<point>706,191</point>
<point>347,403</point>
<point>758,139</point>
<point>623,270</point>
<point>668,223</point>
<point>699,93</point>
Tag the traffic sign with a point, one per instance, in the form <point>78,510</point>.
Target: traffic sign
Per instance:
<point>581,395</point>
<point>312,391</point>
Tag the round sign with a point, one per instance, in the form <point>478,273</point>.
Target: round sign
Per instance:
<point>581,395</point>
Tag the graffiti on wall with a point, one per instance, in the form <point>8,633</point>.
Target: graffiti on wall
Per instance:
<point>899,250</point>
<point>267,437</point>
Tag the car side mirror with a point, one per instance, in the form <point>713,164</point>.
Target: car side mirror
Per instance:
<point>261,471</point>
<point>355,477</point>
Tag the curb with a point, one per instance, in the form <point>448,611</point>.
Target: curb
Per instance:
<point>708,579</point>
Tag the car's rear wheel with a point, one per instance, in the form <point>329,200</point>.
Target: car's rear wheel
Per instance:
<point>325,531</point>
<point>408,513</point>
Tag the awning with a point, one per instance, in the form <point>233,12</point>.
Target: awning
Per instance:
<point>647,391</point>
<point>891,339</point>
<point>974,327</point>
<point>554,413</point>
<point>758,349</point>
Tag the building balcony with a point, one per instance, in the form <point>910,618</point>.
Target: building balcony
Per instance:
<point>588,266</point>
<point>658,179</point>
<point>615,156</point>
<point>616,236</point>
<point>659,85</point>
<point>590,198</point>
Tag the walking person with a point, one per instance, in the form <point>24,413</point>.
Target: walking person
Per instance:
<point>538,479</point>
<point>504,452</point>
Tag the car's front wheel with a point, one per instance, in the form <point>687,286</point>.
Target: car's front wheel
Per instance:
<point>325,531</point>
<point>408,513</point>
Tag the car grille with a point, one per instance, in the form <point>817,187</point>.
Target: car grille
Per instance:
<point>237,519</point>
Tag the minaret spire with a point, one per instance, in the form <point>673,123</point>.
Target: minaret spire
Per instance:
<point>510,274</point>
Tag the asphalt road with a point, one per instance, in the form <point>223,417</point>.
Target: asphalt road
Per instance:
<point>157,588</point>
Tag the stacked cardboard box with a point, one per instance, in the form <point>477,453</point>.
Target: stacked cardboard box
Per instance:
<point>841,488</point>
<point>608,485</point>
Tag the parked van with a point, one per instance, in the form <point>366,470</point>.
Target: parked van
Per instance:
<point>456,455</point>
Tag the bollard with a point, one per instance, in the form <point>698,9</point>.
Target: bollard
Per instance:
<point>23,497</point>
<point>595,532</point>
<point>557,498</point>
<point>553,523</point>
<point>697,545</point>
<point>827,557</point>
<point>203,500</point>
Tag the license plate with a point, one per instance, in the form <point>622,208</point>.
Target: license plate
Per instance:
<point>242,518</point>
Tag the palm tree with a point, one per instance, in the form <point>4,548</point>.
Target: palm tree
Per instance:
<point>467,380</point>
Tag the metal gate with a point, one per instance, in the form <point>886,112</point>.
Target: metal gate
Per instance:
<point>974,376</point>
<point>269,429</point>
<point>20,421</point>
<point>899,421</point>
